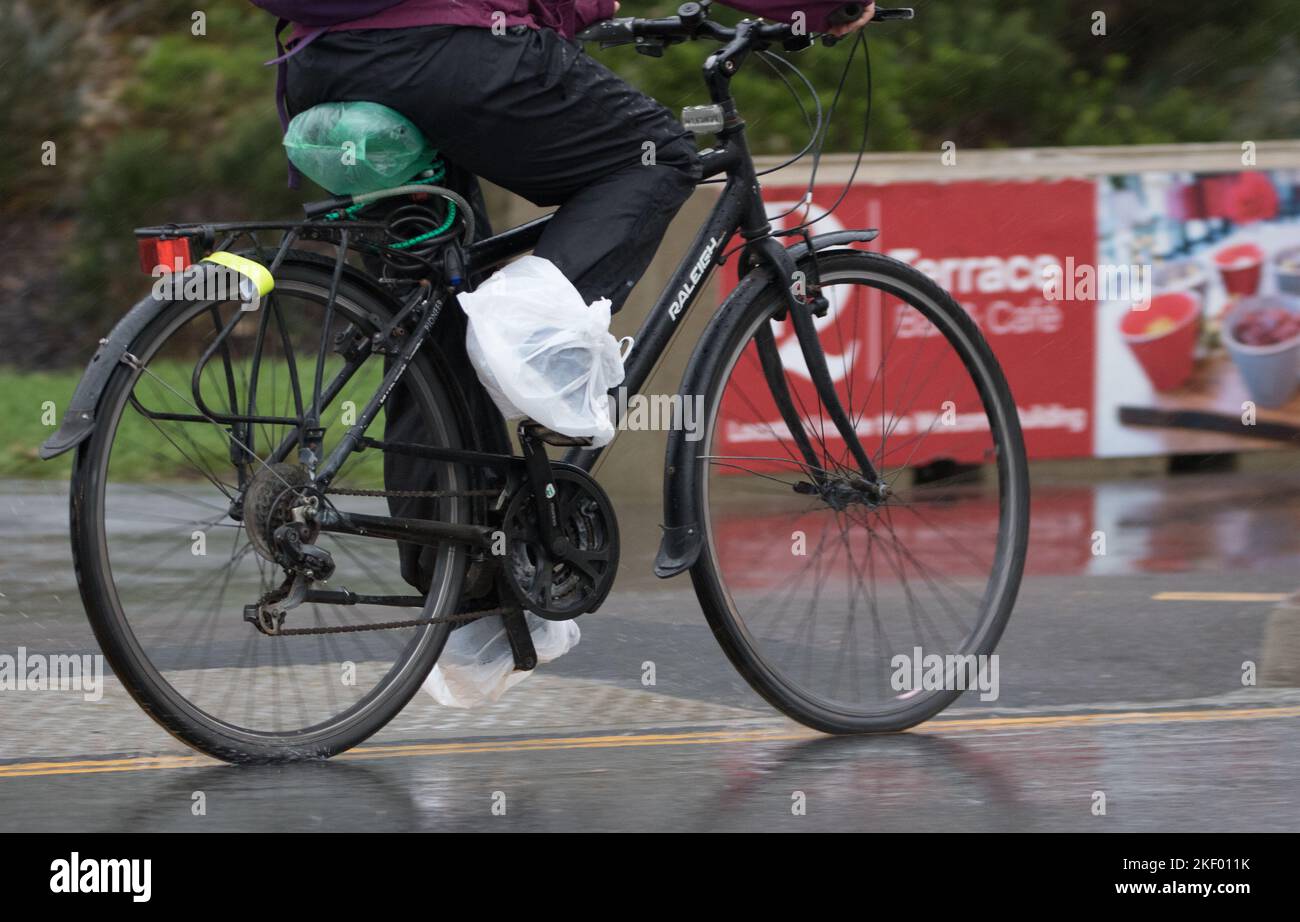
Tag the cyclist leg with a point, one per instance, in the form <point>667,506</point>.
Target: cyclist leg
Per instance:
<point>535,114</point>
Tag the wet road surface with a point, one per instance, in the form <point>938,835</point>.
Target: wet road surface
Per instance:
<point>1121,673</point>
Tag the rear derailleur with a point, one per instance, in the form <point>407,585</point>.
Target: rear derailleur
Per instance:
<point>280,516</point>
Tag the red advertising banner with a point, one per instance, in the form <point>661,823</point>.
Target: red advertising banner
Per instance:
<point>990,244</point>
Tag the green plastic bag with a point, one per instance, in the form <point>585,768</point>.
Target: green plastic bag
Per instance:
<point>355,147</point>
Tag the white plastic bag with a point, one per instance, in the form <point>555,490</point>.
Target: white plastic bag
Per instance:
<point>541,352</point>
<point>477,667</point>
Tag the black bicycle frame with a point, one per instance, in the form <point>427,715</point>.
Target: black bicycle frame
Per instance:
<point>739,209</point>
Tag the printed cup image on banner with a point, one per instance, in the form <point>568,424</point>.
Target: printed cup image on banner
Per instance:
<point>1163,337</point>
<point>1211,361</point>
<point>1262,334</point>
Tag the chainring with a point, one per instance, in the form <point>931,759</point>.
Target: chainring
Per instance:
<point>556,589</point>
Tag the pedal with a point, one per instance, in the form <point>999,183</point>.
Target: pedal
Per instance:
<point>536,430</point>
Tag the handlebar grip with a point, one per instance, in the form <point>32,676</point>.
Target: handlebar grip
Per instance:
<point>609,32</point>
<point>852,12</point>
<point>898,14</point>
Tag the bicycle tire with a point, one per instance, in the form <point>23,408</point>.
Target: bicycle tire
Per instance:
<point>142,678</point>
<point>728,624</point>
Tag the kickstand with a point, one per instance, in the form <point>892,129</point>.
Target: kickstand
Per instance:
<point>521,640</point>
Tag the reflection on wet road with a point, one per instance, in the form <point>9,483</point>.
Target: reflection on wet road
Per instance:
<point>1187,770</point>
<point>1121,673</point>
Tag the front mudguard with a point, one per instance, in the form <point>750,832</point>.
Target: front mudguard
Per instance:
<point>683,537</point>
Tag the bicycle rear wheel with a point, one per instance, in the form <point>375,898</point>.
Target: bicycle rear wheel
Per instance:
<point>161,535</point>
<point>829,600</point>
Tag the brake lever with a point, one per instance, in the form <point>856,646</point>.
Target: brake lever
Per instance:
<point>654,45</point>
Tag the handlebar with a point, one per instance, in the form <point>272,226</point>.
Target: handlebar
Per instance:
<point>692,22</point>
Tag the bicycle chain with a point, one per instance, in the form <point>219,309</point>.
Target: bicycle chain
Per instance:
<point>453,618</point>
<point>413,494</point>
<point>456,617</point>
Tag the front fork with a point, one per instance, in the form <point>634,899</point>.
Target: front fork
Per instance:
<point>801,317</point>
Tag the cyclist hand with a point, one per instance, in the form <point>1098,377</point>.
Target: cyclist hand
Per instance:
<point>846,28</point>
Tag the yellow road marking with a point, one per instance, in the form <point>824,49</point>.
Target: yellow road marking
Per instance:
<point>1220,596</point>
<point>692,738</point>
<point>95,766</point>
<point>580,742</point>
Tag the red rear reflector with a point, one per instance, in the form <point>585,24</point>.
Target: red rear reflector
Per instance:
<point>173,255</point>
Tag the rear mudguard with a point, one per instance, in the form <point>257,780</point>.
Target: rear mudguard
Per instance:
<point>682,536</point>
<point>79,420</point>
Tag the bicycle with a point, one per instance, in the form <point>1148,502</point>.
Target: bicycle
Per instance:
<point>194,426</point>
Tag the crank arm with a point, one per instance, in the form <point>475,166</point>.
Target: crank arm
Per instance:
<point>538,467</point>
<point>521,639</point>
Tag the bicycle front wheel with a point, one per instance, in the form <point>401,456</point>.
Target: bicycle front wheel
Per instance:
<point>849,610</point>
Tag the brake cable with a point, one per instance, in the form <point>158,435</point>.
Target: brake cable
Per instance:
<point>826,129</point>
<point>866,127</point>
<point>819,140</point>
<point>815,131</point>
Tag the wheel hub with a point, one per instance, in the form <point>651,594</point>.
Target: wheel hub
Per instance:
<point>839,492</point>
